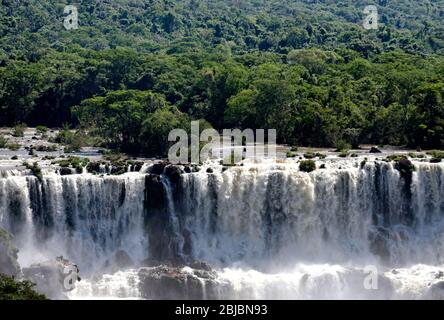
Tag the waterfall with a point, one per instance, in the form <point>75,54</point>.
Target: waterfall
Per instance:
<point>268,229</point>
<point>83,217</point>
<point>252,215</point>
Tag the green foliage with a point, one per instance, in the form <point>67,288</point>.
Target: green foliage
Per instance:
<point>42,130</point>
<point>73,140</point>
<point>11,289</point>
<point>156,128</point>
<point>305,68</point>
<point>436,154</point>
<point>13,146</point>
<point>3,142</point>
<point>35,169</point>
<point>73,162</point>
<point>307,166</point>
<point>395,157</point>
<point>342,146</point>
<point>19,130</point>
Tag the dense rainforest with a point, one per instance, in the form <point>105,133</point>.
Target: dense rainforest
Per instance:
<point>135,69</point>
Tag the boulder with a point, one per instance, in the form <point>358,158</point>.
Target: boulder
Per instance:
<point>168,283</point>
<point>65,171</point>
<point>375,150</point>
<point>8,255</point>
<point>187,169</point>
<point>405,167</point>
<point>201,265</point>
<point>54,278</point>
<point>158,168</point>
<point>210,170</point>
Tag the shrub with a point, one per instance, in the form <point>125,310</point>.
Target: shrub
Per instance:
<point>395,157</point>
<point>19,130</point>
<point>35,169</point>
<point>14,146</point>
<point>342,145</point>
<point>11,289</point>
<point>75,162</point>
<point>436,154</point>
<point>307,166</point>
<point>3,142</point>
<point>42,130</point>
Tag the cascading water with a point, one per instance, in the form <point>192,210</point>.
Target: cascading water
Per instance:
<point>269,230</point>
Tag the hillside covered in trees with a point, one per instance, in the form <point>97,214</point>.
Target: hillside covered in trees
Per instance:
<point>136,69</point>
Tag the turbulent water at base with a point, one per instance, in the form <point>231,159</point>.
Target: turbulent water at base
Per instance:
<point>269,230</point>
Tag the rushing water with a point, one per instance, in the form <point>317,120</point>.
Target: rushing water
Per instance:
<point>270,230</point>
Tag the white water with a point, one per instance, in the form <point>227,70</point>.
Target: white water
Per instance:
<point>270,230</point>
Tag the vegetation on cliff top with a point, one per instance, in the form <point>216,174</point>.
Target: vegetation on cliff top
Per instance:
<point>135,69</point>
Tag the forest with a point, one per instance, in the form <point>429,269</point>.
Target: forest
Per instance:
<point>135,69</point>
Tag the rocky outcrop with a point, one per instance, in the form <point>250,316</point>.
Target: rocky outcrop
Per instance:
<point>173,173</point>
<point>375,150</point>
<point>8,255</point>
<point>169,283</point>
<point>54,277</point>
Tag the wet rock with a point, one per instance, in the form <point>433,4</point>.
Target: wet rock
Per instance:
<point>136,166</point>
<point>154,192</point>
<point>54,278</point>
<point>187,169</point>
<point>94,167</point>
<point>379,241</point>
<point>173,173</point>
<point>375,150</point>
<point>8,255</point>
<point>158,168</point>
<point>166,283</point>
<point>406,168</point>
<point>122,260</point>
<point>201,265</point>
<point>65,171</point>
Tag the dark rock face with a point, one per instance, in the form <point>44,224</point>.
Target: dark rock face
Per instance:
<point>163,242</point>
<point>375,150</point>
<point>173,173</point>
<point>167,283</point>
<point>379,240</point>
<point>209,170</point>
<point>158,168</point>
<point>8,255</point>
<point>154,192</point>
<point>405,167</point>
<point>65,171</point>
<point>136,166</point>
<point>122,260</point>
<point>187,169</point>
